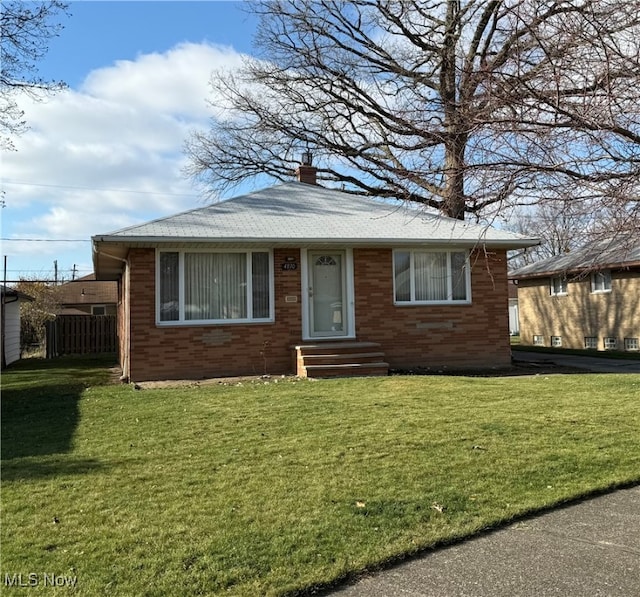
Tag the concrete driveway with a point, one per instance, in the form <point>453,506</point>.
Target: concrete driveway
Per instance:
<point>593,364</point>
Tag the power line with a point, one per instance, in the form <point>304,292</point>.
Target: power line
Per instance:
<point>59,186</point>
<point>48,240</point>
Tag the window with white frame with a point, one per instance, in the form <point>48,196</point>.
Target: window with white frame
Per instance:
<point>428,277</point>
<point>610,343</point>
<point>601,281</point>
<point>556,341</point>
<point>214,286</point>
<point>631,344</point>
<point>558,286</point>
<point>98,309</point>
<point>538,340</point>
<point>591,342</point>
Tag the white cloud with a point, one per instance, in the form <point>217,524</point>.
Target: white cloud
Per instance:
<point>122,130</point>
<point>164,82</point>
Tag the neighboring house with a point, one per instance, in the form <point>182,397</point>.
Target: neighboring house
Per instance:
<point>268,281</point>
<point>88,296</point>
<point>589,298</point>
<point>10,324</point>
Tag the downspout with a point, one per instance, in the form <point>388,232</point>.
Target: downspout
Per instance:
<point>127,320</point>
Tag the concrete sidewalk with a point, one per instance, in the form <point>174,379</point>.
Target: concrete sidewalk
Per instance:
<point>589,549</point>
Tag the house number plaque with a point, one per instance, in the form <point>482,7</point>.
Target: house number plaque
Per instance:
<point>289,265</point>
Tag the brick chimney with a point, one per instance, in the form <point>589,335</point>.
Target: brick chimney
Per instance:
<point>305,172</point>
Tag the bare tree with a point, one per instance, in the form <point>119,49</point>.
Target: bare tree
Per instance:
<point>562,226</point>
<point>25,31</point>
<point>464,106</point>
<point>567,225</point>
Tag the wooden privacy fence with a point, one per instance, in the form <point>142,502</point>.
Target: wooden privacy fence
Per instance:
<point>81,334</point>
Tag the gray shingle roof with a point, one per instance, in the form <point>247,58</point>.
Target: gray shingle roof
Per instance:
<point>13,293</point>
<point>306,214</point>
<point>603,254</point>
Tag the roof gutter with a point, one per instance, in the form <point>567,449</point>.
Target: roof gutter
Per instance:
<point>154,240</point>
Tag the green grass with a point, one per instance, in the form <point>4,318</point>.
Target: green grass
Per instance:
<point>274,488</point>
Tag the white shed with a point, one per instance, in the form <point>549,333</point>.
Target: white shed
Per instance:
<point>10,349</point>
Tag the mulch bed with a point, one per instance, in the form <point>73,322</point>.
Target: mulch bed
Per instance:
<point>517,368</point>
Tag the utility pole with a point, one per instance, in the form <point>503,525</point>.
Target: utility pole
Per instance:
<point>73,272</point>
<point>55,269</point>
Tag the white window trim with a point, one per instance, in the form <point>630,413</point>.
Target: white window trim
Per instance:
<point>627,343</point>
<point>101,307</point>
<point>412,301</point>
<point>552,290</point>
<point>592,340</point>
<point>181,321</point>
<point>595,290</point>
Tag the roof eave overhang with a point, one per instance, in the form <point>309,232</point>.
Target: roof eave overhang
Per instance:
<point>110,252</point>
<point>16,294</point>
<point>576,271</point>
<point>109,260</point>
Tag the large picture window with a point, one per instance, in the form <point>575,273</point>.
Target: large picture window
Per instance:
<point>426,277</point>
<point>214,286</point>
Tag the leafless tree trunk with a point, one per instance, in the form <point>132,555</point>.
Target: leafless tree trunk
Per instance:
<point>464,106</point>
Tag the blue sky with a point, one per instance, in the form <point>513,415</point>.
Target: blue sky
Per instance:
<point>107,153</point>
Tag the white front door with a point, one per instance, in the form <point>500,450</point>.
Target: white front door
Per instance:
<point>328,307</point>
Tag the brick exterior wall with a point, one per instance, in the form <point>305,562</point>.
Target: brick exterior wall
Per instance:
<point>580,312</point>
<point>475,335</point>
<point>195,352</point>
<point>454,336</point>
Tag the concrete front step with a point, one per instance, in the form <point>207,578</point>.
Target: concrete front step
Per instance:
<point>348,370</point>
<point>335,358</point>
<point>341,347</point>
<point>339,359</point>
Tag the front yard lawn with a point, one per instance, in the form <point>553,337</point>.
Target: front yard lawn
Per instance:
<point>274,487</point>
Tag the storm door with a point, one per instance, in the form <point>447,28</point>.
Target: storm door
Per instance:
<point>327,294</point>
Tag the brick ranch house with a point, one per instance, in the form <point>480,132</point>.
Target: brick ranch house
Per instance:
<point>297,278</point>
<point>588,298</point>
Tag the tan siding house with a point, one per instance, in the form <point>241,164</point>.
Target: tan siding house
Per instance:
<point>301,279</point>
<point>586,299</point>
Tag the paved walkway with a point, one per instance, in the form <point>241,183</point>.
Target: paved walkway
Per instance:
<point>593,364</point>
<point>589,549</point>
